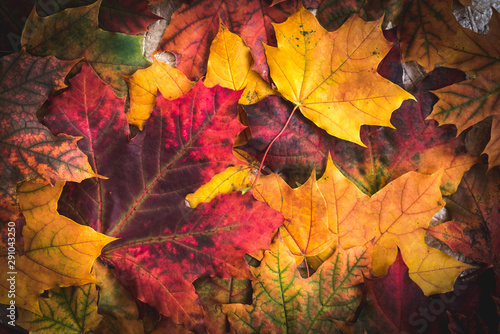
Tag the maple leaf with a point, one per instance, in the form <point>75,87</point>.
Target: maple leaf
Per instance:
<point>74,33</point>
<point>424,25</point>
<point>396,217</point>
<point>415,144</point>
<point>165,245</point>
<point>129,17</point>
<point>474,230</point>
<point>471,101</point>
<point>29,151</point>
<point>195,24</point>
<point>332,77</point>
<point>209,241</point>
<point>229,65</point>
<point>144,85</point>
<point>90,110</point>
<point>57,251</point>
<point>71,310</point>
<point>214,292</point>
<point>305,229</point>
<point>286,303</point>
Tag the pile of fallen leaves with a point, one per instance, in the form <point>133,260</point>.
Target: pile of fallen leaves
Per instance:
<point>280,179</point>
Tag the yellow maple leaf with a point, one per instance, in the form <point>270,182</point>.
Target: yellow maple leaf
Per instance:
<point>396,216</point>
<point>57,251</point>
<point>305,229</point>
<point>144,84</point>
<point>332,76</point>
<point>230,65</point>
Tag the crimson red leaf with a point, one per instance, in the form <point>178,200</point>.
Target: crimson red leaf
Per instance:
<point>164,245</point>
<point>89,109</point>
<point>127,16</point>
<point>395,304</point>
<point>194,26</point>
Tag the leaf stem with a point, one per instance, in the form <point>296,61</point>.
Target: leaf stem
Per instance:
<point>271,144</point>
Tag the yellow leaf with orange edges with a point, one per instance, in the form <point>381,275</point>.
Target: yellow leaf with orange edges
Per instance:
<point>234,178</point>
<point>57,251</point>
<point>305,229</point>
<point>332,76</point>
<point>396,217</point>
<point>144,84</point>
<point>230,65</point>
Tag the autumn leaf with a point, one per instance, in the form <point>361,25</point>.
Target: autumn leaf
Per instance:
<point>234,178</point>
<point>143,87</point>
<point>214,292</point>
<point>71,310</point>
<point>209,241</point>
<point>332,77</point>
<point>474,230</point>
<point>74,33</point>
<point>182,146</point>
<point>195,24</point>
<point>29,150</point>
<point>284,302</point>
<point>469,102</point>
<point>128,17</point>
<point>229,65</point>
<point>57,251</point>
<point>305,229</point>
<point>424,25</point>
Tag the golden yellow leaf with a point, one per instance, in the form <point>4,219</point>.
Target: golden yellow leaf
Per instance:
<point>232,179</point>
<point>342,197</point>
<point>396,217</point>
<point>305,230</point>
<point>57,251</point>
<point>332,76</point>
<point>143,86</point>
<point>432,270</point>
<point>230,65</point>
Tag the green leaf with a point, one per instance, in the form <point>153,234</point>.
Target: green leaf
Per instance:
<point>71,310</point>
<point>286,303</point>
<point>74,33</point>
